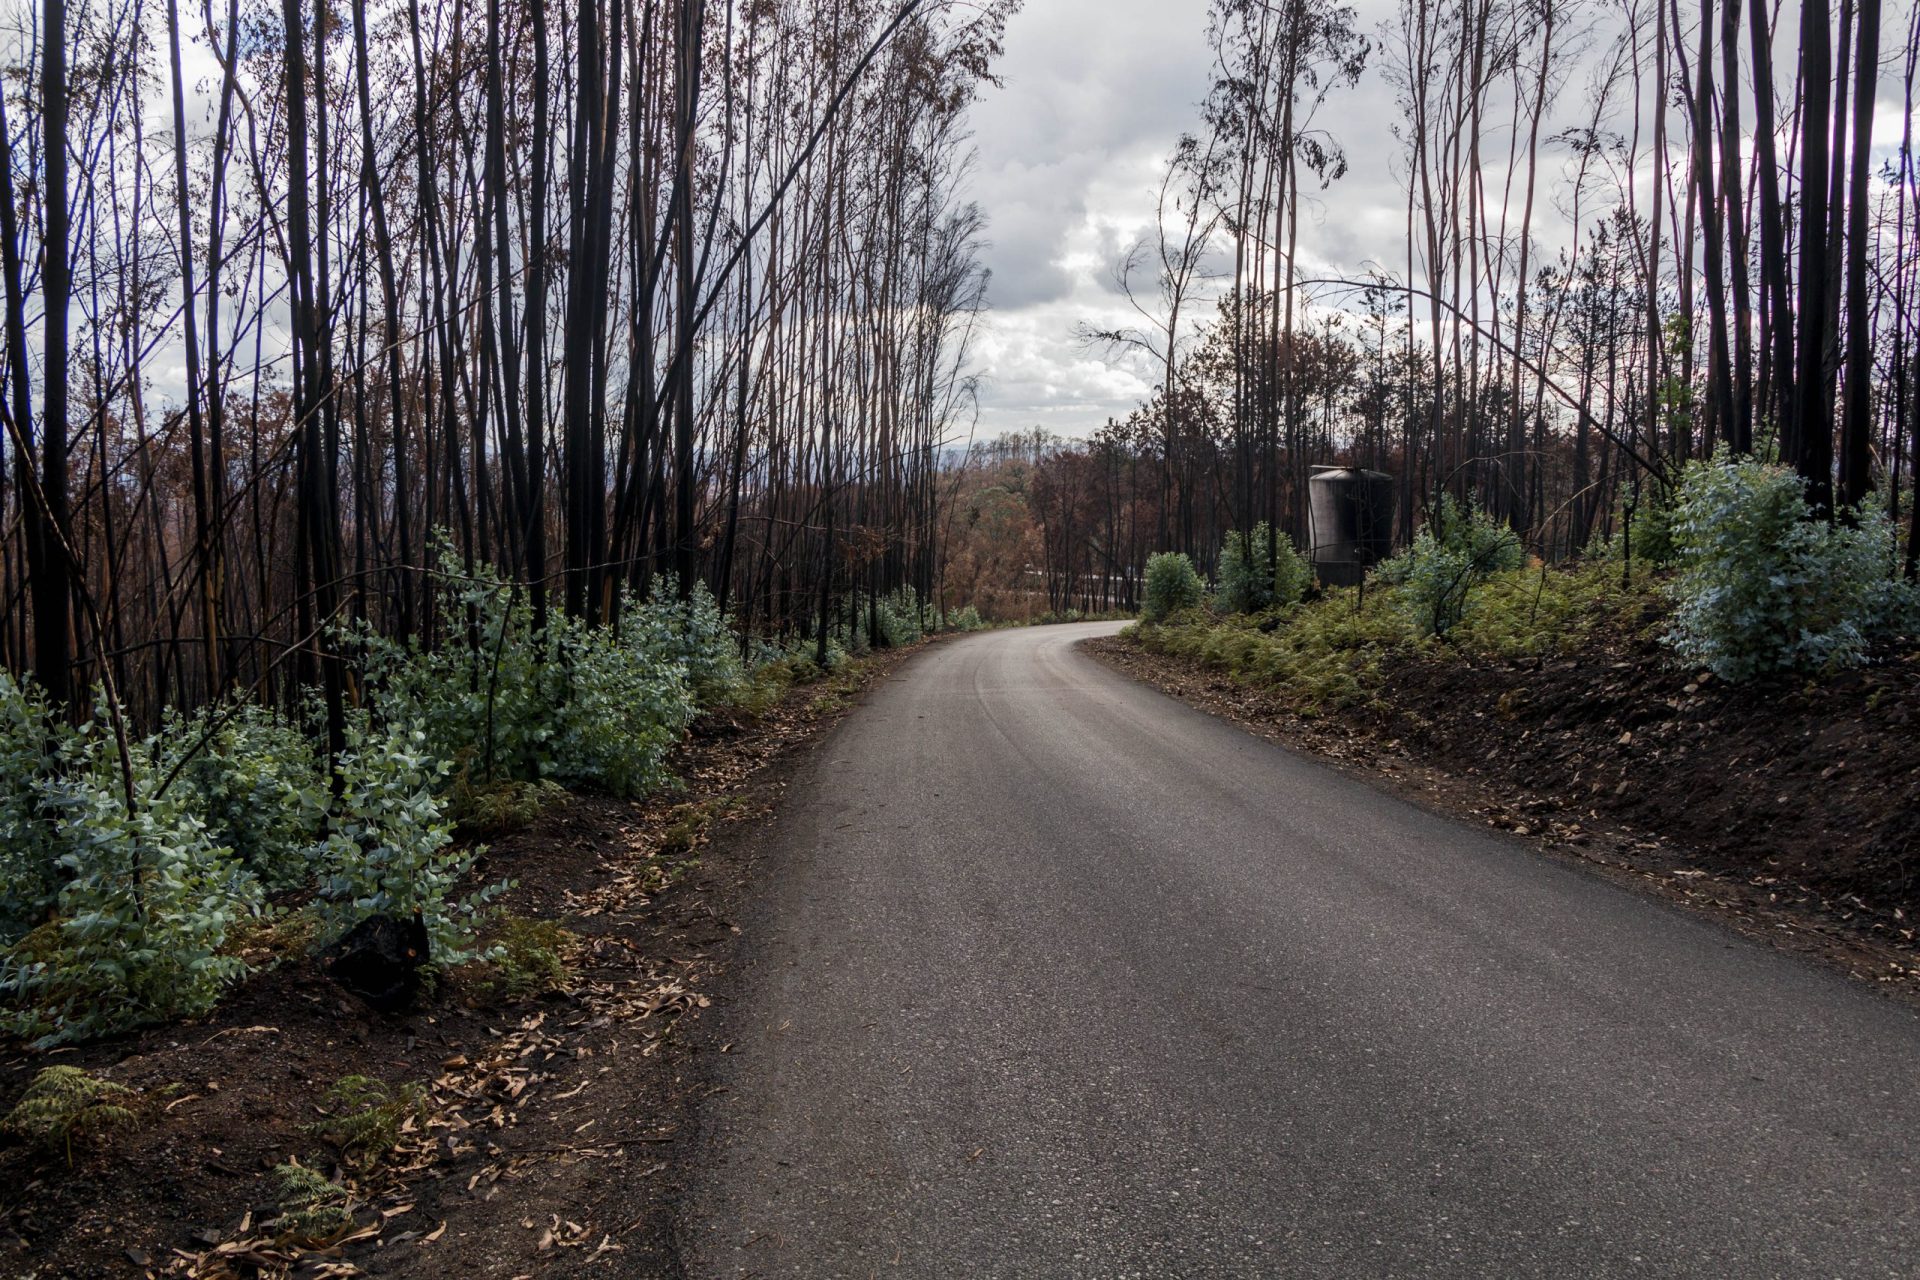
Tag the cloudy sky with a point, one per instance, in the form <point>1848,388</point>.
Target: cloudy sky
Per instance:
<point>1070,155</point>
<point>1097,92</point>
<point>1071,152</point>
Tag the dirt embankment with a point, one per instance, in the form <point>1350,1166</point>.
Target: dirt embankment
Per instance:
<point>546,1135</point>
<point>1790,808</point>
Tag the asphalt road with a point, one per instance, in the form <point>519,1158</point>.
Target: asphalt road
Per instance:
<point>1055,976</point>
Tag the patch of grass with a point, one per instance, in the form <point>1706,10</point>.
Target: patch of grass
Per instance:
<point>366,1118</point>
<point>1544,611</point>
<point>1329,653</point>
<point>312,1209</point>
<point>65,1105</point>
<point>489,810</point>
<point>528,958</point>
<point>691,824</point>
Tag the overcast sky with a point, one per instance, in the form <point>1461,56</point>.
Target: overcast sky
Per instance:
<point>1097,91</point>
<point>1071,152</point>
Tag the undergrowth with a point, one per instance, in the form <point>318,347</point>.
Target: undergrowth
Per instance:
<point>1758,585</point>
<point>528,958</point>
<point>66,1105</point>
<point>313,1210</point>
<point>1331,652</point>
<point>140,879</point>
<point>367,1118</point>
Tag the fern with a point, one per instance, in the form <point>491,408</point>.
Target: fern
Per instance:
<point>368,1118</point>
<point>529,958</point>
<point>311,1208</point>
<point>67,1104</point>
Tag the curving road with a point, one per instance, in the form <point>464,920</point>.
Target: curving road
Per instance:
<point>1055,976</point>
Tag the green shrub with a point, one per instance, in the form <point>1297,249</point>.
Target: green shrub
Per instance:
<point>694,634</point>
<point>1172,584</point>
<point>1765,587</point>
<point>65,1105</point>
<point>898,617</point>
<point>30,746</point>
<point>583,706</point>
<point>258,783</point>
<point>964,619</point>
<point>619,713</point>
<point>1259,570</point>
<point>1458,548</point>
<point>142,917</point>
<point>387,851</point>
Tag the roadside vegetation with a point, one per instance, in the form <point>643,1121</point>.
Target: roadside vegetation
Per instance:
<point>135,872</point>
<point>538,799</point>
<point>1733,576</point>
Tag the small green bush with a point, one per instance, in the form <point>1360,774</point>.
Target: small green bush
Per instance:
<point>1173,584</point>
<point>142,915</point>
<point>31,743</point>
<point>1458,548</point>
<point>694,634</point>
<point>388,850</point>
<point>1259,570</point>
<point>620,712</point>
<point>1764,587</point>
<point>597,707</point>
<point>257,782</point>
<point>896,620</point>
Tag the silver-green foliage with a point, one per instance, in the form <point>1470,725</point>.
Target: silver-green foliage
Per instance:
<point>586,706</point>
<point>119,914</point>
<point>255,779</point>
<point>1173,584</point>
<point>145,902</point>
<point>692,633</point>
<point>1457,549</point>
<point>29,751</point>
<point>120,881</point>
<point>1259,570</point>
<point>389,851</point>
<point>896,619</point>
<point>1764,586</point>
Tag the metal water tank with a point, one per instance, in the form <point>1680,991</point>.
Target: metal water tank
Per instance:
<point>1351,516</point>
